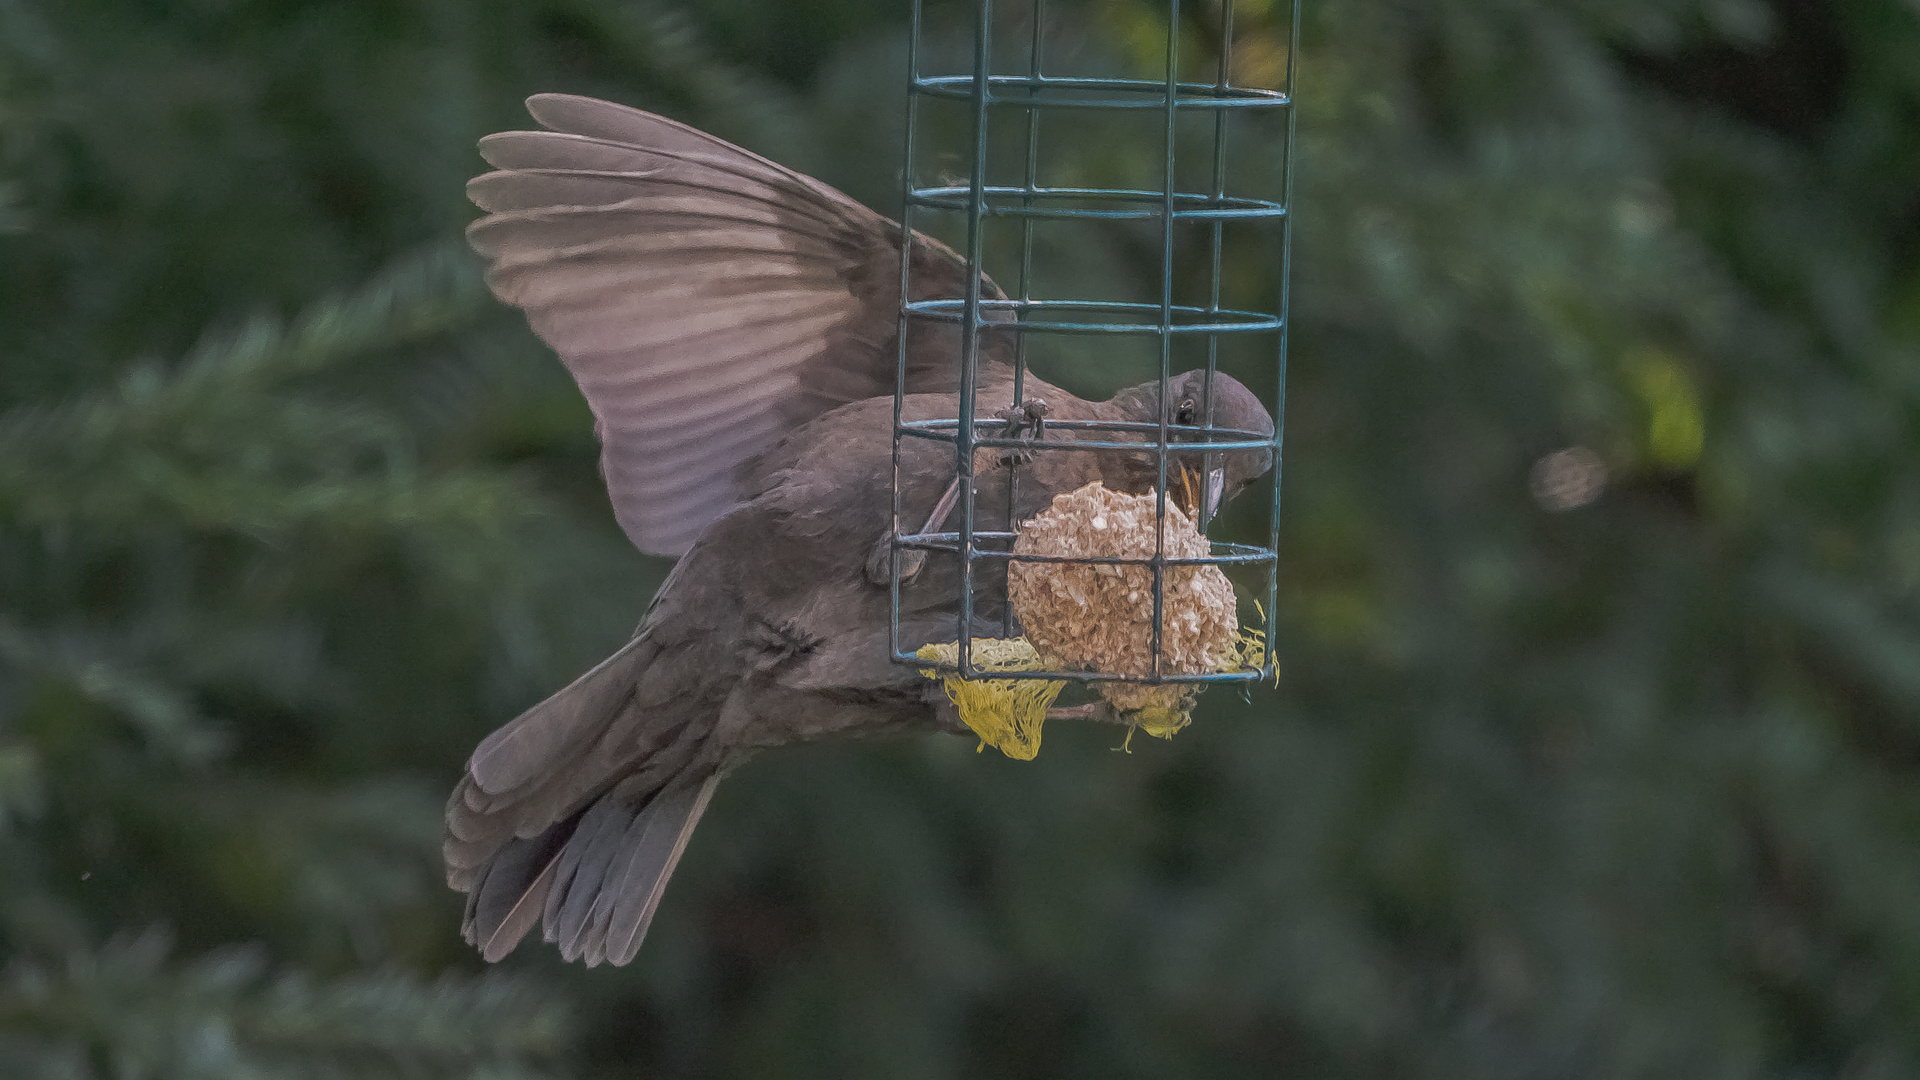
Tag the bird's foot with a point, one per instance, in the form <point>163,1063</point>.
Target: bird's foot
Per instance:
<point>1093,710</point>
<point>1027,420</point>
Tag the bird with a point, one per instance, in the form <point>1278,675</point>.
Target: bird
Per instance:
<point>733,325</point>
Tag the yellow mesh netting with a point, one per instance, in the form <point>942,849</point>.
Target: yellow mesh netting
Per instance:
<point>1005,713</point>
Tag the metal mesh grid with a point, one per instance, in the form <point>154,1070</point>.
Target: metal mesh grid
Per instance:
<point>970,532</point>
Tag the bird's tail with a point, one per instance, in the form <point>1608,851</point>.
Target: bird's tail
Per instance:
<point>574,814</point>
<point>595,879</point>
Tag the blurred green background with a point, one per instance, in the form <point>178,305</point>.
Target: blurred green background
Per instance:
<point>1560,779</point>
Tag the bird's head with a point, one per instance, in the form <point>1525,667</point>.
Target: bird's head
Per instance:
<point>1193,406</point>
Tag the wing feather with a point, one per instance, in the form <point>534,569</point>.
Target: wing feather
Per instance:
<point>707,300</point>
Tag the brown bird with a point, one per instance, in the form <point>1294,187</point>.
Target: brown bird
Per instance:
<point>733,325</point>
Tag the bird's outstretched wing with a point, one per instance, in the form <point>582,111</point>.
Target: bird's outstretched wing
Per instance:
<point>706,299</point>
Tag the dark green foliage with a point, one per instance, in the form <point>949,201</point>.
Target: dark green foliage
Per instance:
<point>291,515</point>
<point>124,1010</point>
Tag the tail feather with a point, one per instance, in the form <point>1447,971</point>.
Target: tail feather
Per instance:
<point>603,910</point>
<point>514,924</point>
<point>504,901</point>
<point>521,753</point>
<point>595,880</point>
<point>582,870</point>
<point>651,858</point>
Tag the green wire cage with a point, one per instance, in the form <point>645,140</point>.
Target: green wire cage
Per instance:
<point>985,167</point>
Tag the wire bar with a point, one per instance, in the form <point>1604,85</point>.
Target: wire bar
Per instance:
<point>1227,322</point>
<point>1034,203</point>
<point>1223,555</point>
<point>1120,93</point>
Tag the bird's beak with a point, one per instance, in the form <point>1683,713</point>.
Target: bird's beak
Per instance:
<point>1195,494</point>
<point>1189,491</point>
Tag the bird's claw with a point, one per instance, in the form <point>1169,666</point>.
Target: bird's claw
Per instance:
<point>1027,420</point>
<point>1031,413</point>
<point>1096,710</point>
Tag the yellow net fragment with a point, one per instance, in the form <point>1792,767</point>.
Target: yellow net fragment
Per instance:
<point>1169,707</point>
<point>1248,652</point>
<point>1005,713</point>
<point>1161,721</point>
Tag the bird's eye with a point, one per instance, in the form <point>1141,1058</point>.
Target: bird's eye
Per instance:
<point>1185,413</point>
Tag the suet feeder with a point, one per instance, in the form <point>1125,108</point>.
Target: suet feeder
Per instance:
<point>1123,592</point>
